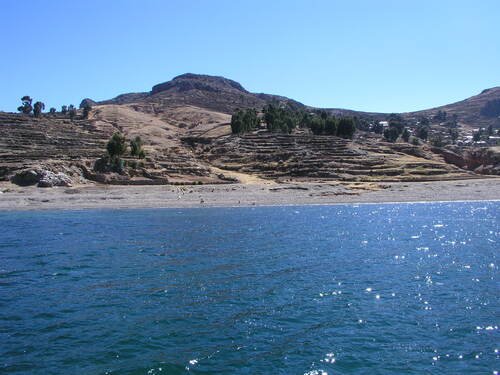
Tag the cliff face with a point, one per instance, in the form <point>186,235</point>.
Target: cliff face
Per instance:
<point>482,161</point>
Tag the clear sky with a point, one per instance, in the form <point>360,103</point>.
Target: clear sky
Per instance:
<point>372,55</point>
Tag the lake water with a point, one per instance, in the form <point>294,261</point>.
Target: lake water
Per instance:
<point>347,289</point>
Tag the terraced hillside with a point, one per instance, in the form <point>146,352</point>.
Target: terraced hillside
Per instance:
<point>27,141</point>
<point>60,145</point>
<point>184,124</point>
<point>306,157</point>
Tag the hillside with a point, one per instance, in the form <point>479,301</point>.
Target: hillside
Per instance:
<point>184,124</point>
<point>225,95</point>
<point>469,112</point>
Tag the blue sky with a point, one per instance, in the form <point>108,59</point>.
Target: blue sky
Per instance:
<point>372,55</point>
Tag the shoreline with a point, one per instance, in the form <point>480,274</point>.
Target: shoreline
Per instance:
<point>84,197</point>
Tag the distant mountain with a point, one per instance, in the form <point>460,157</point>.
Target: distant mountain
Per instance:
<point>472,111</point>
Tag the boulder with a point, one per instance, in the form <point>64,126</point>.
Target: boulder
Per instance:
<point>51,179</point>
<point>44,178</point>
<point>26,178</point>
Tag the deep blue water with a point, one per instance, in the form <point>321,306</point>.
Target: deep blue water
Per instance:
<point>368,289</point>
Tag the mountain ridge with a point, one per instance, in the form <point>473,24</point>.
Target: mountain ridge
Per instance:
<point>226,95</point>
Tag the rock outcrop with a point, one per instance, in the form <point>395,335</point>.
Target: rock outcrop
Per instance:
<point>41,178</point>
<point>479,160</point>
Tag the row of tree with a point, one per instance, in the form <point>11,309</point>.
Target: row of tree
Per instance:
<point>27,107</point>
<point>117,146</point>
<point>327,124</point>
<point>279,119</point>
<point>37,108</point>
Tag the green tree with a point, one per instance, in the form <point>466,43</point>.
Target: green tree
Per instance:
<point>136,148</point>
<point>405,135</point>
<point>243,121</point>
<point>440,116</point>
<point>489,130</point>
<point>437,141</point>
<point>280,119</point>
<point>391,134</point>
<point>378,128</point>
<point>72,111</point>
<point>26,107</point>
<point>52,111</point>
<point>330,126</point>
<point>398,125</point>
<point>346,127</point>
<point>476,137</point>
<point>38,108</point>
<point>117,145</point>
<point>424,121</point>
<point>64,109</point>
<point>317,125</point>
<point>86,110</point>
<point>422,132</point>
<point>453,135</point>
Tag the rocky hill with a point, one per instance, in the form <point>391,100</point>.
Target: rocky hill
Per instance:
<point>184,124</point>
<point>210,92</point>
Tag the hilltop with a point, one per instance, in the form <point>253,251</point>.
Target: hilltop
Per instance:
<point>185,127</point>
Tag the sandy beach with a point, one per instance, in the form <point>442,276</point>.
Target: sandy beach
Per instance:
<point>13,197</point>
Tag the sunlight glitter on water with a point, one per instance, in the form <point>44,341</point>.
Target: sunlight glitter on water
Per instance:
<point>266,289</point>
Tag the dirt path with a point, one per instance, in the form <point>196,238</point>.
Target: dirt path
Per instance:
<point>243,177</point>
